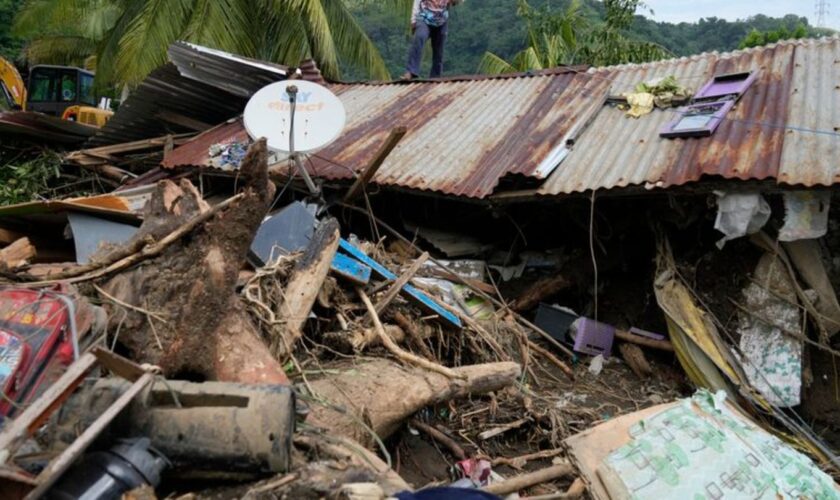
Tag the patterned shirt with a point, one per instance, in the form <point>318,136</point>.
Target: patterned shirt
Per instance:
<point>431,12</point>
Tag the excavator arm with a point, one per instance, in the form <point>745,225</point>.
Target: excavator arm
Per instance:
<point>12,87</point>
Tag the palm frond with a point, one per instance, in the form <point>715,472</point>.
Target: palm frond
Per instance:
<point>354,46</point>
<point>143,45</point>
<point>491,64</point>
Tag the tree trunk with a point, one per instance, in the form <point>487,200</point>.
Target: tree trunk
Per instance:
<point>191,285</point>
<point>383,394</point>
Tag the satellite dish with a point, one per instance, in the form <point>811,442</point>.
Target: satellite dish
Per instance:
<point>319,116</point>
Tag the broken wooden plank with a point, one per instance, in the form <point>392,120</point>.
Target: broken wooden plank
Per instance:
<point>350,270</point>
<point>398,285</point>
<point>17,254</point>
<point>302,290</point>
<point>390,143</point>
<point>409,291</point>
<point>662,345</point>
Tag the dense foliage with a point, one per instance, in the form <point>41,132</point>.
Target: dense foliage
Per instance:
<point>26,175</point>
<point>129,38</point>
<point>567,37</point>
<point>70,31</point>
<point>480,26</point>
<point>757,38</point>
<point>10,46</point>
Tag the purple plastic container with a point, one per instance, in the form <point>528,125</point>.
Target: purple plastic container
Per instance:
<point>594,338</point>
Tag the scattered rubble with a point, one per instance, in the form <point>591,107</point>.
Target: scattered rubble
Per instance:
<point>222,331</point>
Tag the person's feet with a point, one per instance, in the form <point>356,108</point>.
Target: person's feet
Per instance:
<point>408,75</point>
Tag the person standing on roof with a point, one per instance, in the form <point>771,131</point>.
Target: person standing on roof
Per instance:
<point>429,19</point>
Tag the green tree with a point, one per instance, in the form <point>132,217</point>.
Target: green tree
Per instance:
<point>756,38</point>
<point>129,38</point>
<point>10,46</point>
<point>565,38</point>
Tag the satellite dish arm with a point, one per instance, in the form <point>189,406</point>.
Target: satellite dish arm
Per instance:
<point>292,90</point>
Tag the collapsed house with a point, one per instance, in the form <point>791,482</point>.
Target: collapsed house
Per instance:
<point>616,282</point>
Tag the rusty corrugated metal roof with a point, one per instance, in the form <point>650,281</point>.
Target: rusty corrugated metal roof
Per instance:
<point>466,134</point>
<point>463,135</point>
<point>195,152</point>
<point>784,127</point>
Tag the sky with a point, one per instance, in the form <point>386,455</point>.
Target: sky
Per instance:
<point>692,10</point>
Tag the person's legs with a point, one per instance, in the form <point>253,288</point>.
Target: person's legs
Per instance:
<point>438,36</point>
<point>415,51</point>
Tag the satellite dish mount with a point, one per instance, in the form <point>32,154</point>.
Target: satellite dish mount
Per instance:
<point>292,91</point>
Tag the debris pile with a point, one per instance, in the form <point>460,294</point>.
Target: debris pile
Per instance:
<point>226,331</point>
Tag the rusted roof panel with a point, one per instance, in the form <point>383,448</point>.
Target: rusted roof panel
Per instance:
<point>811,152</point>
<point>796,86</point>
<point>196,151</point>
<point>466,134</point>
<point>463,135</point>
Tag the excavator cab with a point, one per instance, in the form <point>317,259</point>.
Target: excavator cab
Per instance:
<point>65,92</point>
<point>53,89</point>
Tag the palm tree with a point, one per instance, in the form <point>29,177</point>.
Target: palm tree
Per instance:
<point>129,38</point>
<point>552,41</point>
<point>568,38</point>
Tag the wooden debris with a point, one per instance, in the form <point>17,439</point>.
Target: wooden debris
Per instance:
<point>418,339</point>
<point>303,287</point>
<point>540,291</point>
<point>502,429</point>
<point>545,353</point>
<point>370,170</point>
<point>520,461</point>
<point>402,355</point>
<point>383,394</point>
<point>17,254</point>
<point>397,285</point>
<point>662,345</point>
<point>352,452</point>
<point>7,236</point>
<point>519,483</point>
<point>362,338</point>
<point>635,359</point>
<point>441,438</point>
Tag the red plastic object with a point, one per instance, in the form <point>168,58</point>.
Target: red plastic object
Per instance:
<point>34,329</point>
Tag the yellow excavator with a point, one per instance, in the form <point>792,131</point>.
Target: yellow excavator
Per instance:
<point>64,92</point>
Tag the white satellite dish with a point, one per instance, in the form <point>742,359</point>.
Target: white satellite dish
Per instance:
<point>318,119</point>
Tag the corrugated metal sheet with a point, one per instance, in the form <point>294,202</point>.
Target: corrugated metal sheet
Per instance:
<point>241,76</point>
<point>196,151</point>
<point>797,86</point>
<point>200,84</point>
<point>466,134</point>
<point>463,135</point>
